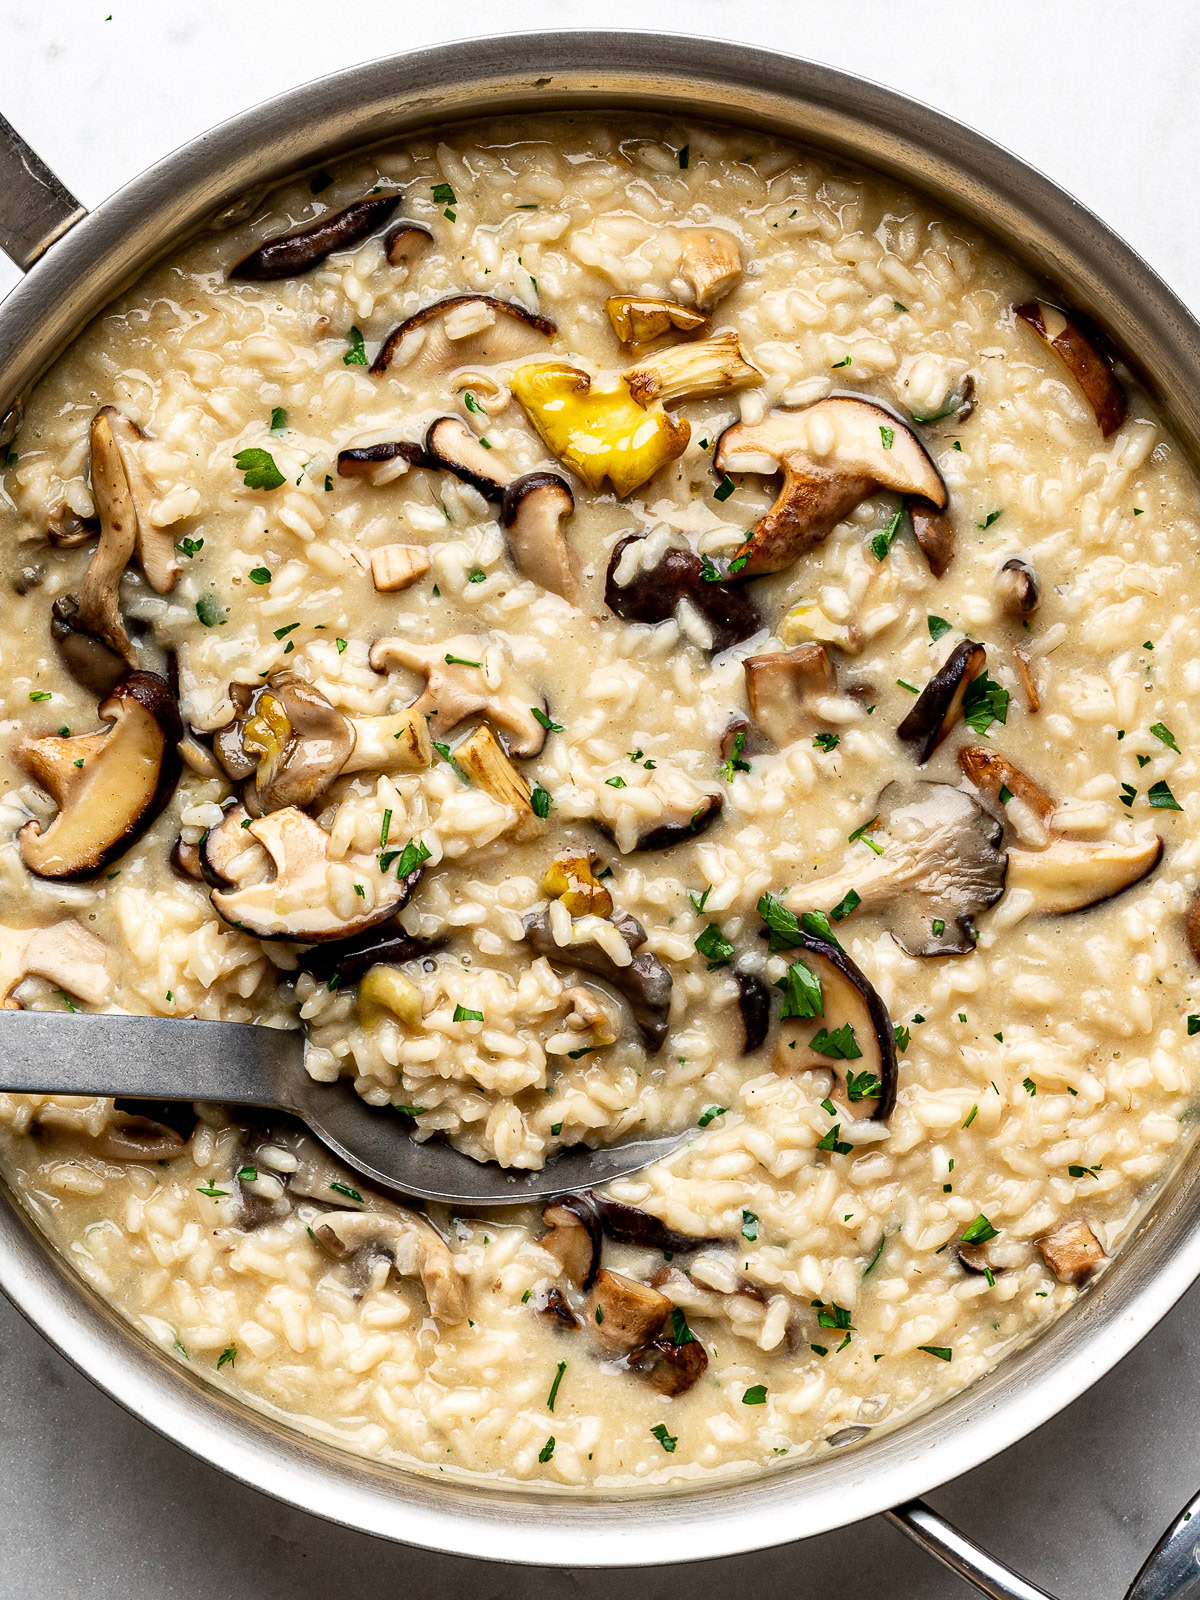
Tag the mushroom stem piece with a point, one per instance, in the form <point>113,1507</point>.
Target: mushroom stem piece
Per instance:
<point>65,954</point>
<point>1072,874</point>
<point>638,319</point>
<point>691,371</point>
<point>465,675</point>
<point>781,687</point>
<point>412,1245</point>
<point>532,513</point>
<point>832,456</point>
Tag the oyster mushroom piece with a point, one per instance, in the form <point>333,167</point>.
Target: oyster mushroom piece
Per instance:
<point>832,456</point>
<point>942,864</point>
<point>1018,588</point>
<point>845,1024</point>
<point>782,686</point>
<point>935,536</point>
<point>940,703</point>
<point>623,1313</point>
<point>575,1238</point>
<point>637,319</point>
<point>412,1245</point>
<point>465,675</point>
<point>691,371</point>
<point>466,330</point>
<point>65,954</point>
<point>710,264</point>
<point>1079,354</point>
<point>450,444</point>
<point>1072,1251</point>
<point>1072,874</point>
<point>155,548</point>
<point>109,786</point>
<point>302,900</point>
<point>645,983</point>
<point>596,426</point>
<point>287,745</point>
<point>290,254</point>
<point>66,531</point>
<point>480,757</point>
<point>532,513</point>
<point>653,594</point>
<point>405,242</point>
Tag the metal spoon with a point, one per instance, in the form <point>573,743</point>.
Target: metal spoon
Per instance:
<point>238,1063</point>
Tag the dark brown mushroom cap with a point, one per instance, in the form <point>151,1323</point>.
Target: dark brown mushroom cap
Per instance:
<point>109,786</point>
<point>625,1314</point>
<point>645,983</point>
<point>935,536</point>
<point>1019,589</point>
<point>679,831</point>
<point>290,254</point>
<point>351,959</point>
<point>848,996</point>
<point>1082,358</point>
<point>503,341</point>
<point>630,1225</point>
<point>671,1367</point>
<point>94,665</point>
<point>781,686</point>
<point>940,703</point>
<point>532,512</point>
<point>555,1308</point>
<point>405,242</point>
<point>754,1004</point>
<point>653,594</point>
<point>832,455</point>
<point>450,444</point>
<point>575,1237</point>
<point>310,742</point>
<point>357,463</point>
<point>185,860</point>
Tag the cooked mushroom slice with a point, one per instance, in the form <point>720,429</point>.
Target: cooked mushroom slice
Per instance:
<point>342,965</point>
<point>1024,666</point>
<point>596,426</point>
<point>623,1313</point>
<point>136,1138</point>
<point>832,456</point>
<point>940,702</point>
<point>629,1225</point>
<point>95,665</point>
<point>413,1246</point>
<point>311,897</point>
<point>835,1011</point>
<point>754,1004</point>
<point>155,547</point>
<point>1191,926</point>
<point>532,513</point>
<point>941,865</point>
<point>405,242</point>
<point>671,1365</point>
<point>553,1308</point>
<point>185,859</point>
<point>66,531</point>
<point>691,371</point>
<point>480,757</point>
<point>385,992</point>
<point>291,254</point>
<point>398,566</point>
<point>999,1256</point>
<point>935,536</point>
<point>466,675</point>
<point>109,786</point>
<point>782,686</point>
<point>637,319</point>
<point>645,982</point>
<point>359,463</point>
<point>1072,1251</point>
<point>572,879</point>
<point>65,954</point>
<point>466,330</point>
<point>287,745</point>
<point>450,444</point>
<point>1072,874</point>
<point>1082,360</point>
<point>229,854</point>
<point>687,810</point>
<point>1026,806</point>
<point>653,594</point>
<point>574,1238</point>
<point>1018,587</point>
<point>710,263</point>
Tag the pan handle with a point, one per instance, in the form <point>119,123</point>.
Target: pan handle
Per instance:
<point>35,208</point>
<point>1171,1572</point>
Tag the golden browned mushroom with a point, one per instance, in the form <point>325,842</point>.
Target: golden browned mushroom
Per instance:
<point>1079,354</point>
<point>64,953</point>
<point>1072,1251</point>
<point>412,1245</point>
<point>1028,808</point>
<point>482,760</point>
<point>832,456</point>
<point>574,1238</point>
<point>1072,874</point>
<point>571,878</point>
<point>691,371</point>
<point>465,675</point>
<point>935,536</point>
<point>638,319</point>
<point>781,687</point>
<point>465,330</point>
<point>109,786</point>
<point>398,566</point>
<point>303,900</point>
<point>710,263</point>
<point>624,1313</point>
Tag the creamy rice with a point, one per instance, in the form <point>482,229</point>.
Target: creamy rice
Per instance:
<point>1045,1078</point>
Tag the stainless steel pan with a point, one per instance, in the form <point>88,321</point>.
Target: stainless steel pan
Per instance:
<point>77,261</point>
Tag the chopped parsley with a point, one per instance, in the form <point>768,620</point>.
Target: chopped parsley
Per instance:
<point>700,903</point>
<point>461,661</point>
<point>1084,1172</point>
<point>902,1036</point>
<point>258,469</point>
<point>980,1231</point>
<point>874,1261</point>
<point>844,362</point>
<point>206,610</point>
<point>260,574</point>
<point>887,437</point>
<point>385,828</point>
<point>756,1395</point>
<point>341,646</point>
<point>248,1174</point>
<point>971,1115</point>
<point>210,1189</point>
<point>938,626</point>
<point>462,1014</point>
<point>558,1377</point>
<point>749,1226</point>
<point>228,1357</point>
<point>1193,1024</point>
<point>735,762</point>
<point>616,783</point>
<point>985,702</point>
<point>344,1188</point>
<point>911,687</point>
<point>1029,1086</point>
<point>992,516</point>
<point>849,902</point>
<point>801,992</point>
<point>443,193</point>
<point>862,1085</point>
<point>883,542</point>
<point>189,547</point>
<point>827,742</point>
<point>356,355</point>
<point>723,490</point>
<point>943,1352</point>
<point>40,694</point>
<point>278,420</point>
<point>680,1332</point>
<point>547,1449</point>
<point>1161,731</point>
<point>710,1113</point>
<point>539,799</point>
<point>414,853</point>
<point>540,716</point>
<point>714,947</point>
<point>832,1141</point>
<point>1160,796</point>
<point>948,407</point>
<point>659,1432</point>
<point>477,575</point>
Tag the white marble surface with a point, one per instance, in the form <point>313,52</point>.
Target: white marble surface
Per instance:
<point>1102,96</point>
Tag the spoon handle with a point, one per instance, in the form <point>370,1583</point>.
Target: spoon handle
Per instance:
<point>155,1058</point>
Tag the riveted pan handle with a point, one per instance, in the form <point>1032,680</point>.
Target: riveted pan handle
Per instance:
<point>1171,1572</point>
<point>35,208</point>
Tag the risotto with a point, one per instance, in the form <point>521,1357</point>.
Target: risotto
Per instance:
<point>612,629</point>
